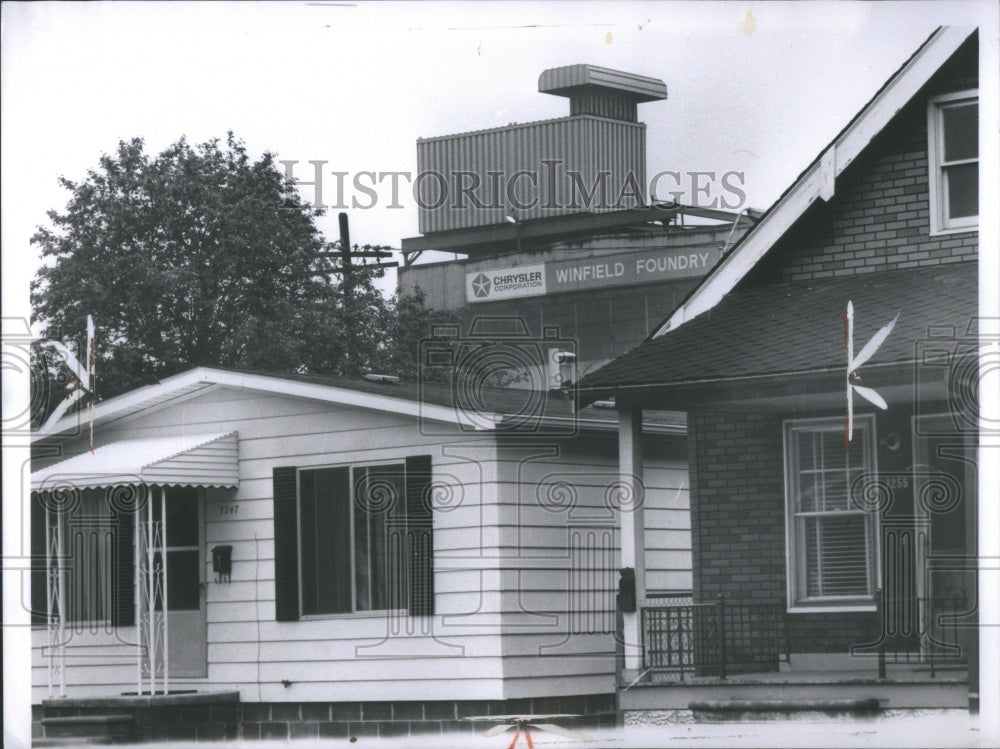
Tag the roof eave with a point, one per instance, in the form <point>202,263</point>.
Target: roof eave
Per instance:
<point>132,402</point>
<point>628,392</point>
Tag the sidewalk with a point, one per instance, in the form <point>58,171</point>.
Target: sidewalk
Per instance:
<point>937,731</point>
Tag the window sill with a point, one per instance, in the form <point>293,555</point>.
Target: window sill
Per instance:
<point>969,229</point>
<point>354,615</point>
<point>832,608</point>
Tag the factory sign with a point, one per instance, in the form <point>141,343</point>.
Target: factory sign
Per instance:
<point>625,269</point>
<point>595,271</point>
<point>505,283</point>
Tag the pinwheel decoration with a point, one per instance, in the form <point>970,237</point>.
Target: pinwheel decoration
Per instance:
<point>80,381</point>
<point>854,362</point>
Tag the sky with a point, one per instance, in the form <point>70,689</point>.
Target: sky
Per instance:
<point>756,88</point>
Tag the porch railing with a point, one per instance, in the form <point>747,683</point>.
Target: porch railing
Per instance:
<point>713,639</point>
<point>684,640</point>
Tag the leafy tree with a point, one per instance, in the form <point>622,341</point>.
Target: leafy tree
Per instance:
<point>409,323</point>
<point>195,257</point>
<point>201,256</point>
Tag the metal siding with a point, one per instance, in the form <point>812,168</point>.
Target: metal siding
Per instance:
<point>557,80</point>
<point>586,144</point>
<point>187,460</point>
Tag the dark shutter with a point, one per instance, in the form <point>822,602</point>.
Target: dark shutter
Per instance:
<point>286,546</point>
<point>420,524</point>
<point>123,604</point>
<point>39,589</point>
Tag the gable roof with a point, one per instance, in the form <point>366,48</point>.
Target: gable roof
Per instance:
<point>783,330</point>
<point>198,381</point>
<point>819,178</point>
<point>473,407</point>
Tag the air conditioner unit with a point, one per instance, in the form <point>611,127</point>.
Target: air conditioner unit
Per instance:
<point>561,368</point>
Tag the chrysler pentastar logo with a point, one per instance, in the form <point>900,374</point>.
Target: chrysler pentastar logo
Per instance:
<point>481,286</point>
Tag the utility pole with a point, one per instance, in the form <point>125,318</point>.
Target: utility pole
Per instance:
<point>348,255</point>
<point>345,255</point>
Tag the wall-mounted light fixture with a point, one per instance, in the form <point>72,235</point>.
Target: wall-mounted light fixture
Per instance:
<point>891,441</point>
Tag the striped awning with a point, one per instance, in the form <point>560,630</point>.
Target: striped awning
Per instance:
<point>186,460</point>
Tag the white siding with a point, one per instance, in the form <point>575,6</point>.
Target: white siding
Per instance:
<point>337,658</point>
<point>561,555</point>
<point>506,555</point>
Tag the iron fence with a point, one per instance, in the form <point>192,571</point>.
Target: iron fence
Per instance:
<point>713,639</point>
<point>684,640</point>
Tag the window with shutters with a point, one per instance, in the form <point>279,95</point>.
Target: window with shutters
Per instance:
<point>353,539</point>
<point>831,536</point>
<point>953,158</point>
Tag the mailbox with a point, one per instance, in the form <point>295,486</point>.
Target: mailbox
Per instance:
<point>626,590</point>
<point>222,562</point>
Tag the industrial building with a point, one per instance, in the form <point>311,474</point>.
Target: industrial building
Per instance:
<point>551,222</point>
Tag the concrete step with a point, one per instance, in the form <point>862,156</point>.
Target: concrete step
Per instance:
<point>97,728</point>
<point>66,741</point>
<point>754,711</point>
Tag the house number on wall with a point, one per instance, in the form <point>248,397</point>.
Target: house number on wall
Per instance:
<point>228,509</point>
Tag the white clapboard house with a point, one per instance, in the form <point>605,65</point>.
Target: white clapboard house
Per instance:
<point>252,555</point>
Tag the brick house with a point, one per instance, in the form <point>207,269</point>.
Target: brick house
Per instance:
<point>828,563</point>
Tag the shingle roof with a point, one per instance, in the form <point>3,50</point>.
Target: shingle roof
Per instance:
<point>796,328</point>
<point>519,407</point>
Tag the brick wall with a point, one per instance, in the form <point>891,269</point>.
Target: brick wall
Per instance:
<point>354,719</point>
<point>879,218</point>
<point>738,526</point>
<point>332,720</point>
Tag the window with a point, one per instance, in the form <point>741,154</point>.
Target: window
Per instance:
<point>831,540</point>
<point>953,160</point>
<point>353,539</point>
<point>352,524</point>
<point>183,548</point>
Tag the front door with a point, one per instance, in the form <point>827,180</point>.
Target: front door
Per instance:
<point>945,497</point>
<point>186,625</point>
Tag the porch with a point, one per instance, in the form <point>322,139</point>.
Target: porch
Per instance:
<point>721,660</point>
<point>121,528</point>
<point>788,695</point>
